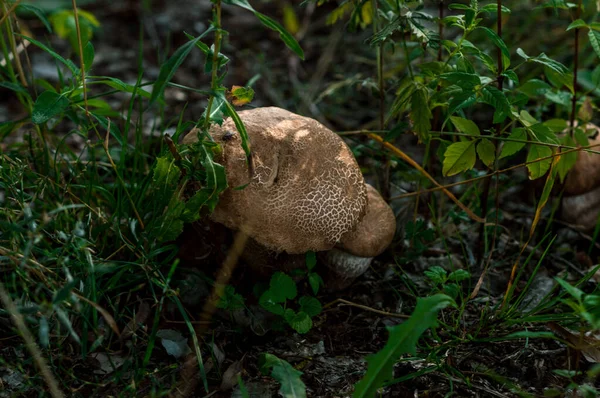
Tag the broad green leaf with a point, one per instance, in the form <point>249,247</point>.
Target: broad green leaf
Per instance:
<point>462,79</point>
<point>496,98</point>
<point>543,133</point>
<point>268,302</point>
<point>88,56</point>
<point>168,69</point>
<point>595,41</point>
<point>535,87</point>
<point>543,59</point>
<point>402,340</point>
<point>459,275</point>
<point>459,157</point>
<point>581,137</point>
<point>538,169</point>
<point>283,287</point>
<point>310,305</point>
<point>559,80</point>
<point>299,321</point>
<point>556,125</point>
<point>315,281</point>
<point>289,378</point>
<point>567,160</point>
<point>493,8</point>
<point>486,151</point>
<point>65,26</point>
<point>421,114</point>
<point>578,23</point>
<point>465,126</point>
<point>497,40</point>
<point>48,105</point>
<point>436,274</point>
<point>68,63</point>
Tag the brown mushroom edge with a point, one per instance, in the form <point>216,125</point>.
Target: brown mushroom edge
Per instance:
<point>356,250</point>
<point>581,196</point>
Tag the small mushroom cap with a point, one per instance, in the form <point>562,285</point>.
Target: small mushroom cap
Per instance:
<point>585,175</point>
<point>375,231</point>
<point>307,190</point>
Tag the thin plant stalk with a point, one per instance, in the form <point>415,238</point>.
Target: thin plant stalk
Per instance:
<point>575,67</point>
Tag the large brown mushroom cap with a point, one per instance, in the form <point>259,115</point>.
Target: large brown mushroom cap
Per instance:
<point>585,174</point>
<point>307,190</point>
<point>375,231</point>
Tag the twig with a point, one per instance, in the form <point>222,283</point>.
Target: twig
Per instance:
<point>364,307</point>
<point>417,166</point>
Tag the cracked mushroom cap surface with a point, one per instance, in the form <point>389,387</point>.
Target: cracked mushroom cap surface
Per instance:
<point>585,174</point>
<point>375,231</point>
<point>307,190</point>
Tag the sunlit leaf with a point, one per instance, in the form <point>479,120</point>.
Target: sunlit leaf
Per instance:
<point>459,157</point>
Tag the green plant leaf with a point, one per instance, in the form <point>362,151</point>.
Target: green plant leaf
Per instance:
<point>289,378</point>
<point>270,23</point>
<point>595,41</point>
<point>578,23</point>
<point>459,157</point>
<point>486,151</point>
<point>538,169</point>
<point>120,85</point>
<point>88,56</point>
<point>497,40</point>
<point>37,12</point>
<point>510,147</point>
<point>437,274</point>
<point>299,321</point>
<point>567,160</point>
<point>315,281</point>
<point>493,8</point>
<point>268,301</point>
<point>403,339</point>
<point>463,80</point>
<point>575,292</point>
<point>283,287</point>
<point>496,98</point>
<point>542,133</point>
<point>48,105</point>
<point>465,126</point>
<point>421,114</point>
<point>285,36</point>
<point>310,305</point>
<point>68,63</point>
<point>459,275</point>
<point>168,69</point>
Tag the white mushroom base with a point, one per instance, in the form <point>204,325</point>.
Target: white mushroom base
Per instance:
<point>344,268</point>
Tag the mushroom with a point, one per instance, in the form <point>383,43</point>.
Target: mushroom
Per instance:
<point>356,250</point>
<point>307,192</point>
<point>581,196</point>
